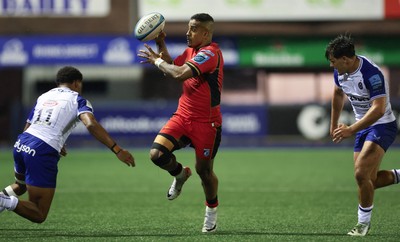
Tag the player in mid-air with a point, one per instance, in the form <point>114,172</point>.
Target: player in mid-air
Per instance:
<point>197,120</point>
<point>375,128</point>
<point>38,149</point>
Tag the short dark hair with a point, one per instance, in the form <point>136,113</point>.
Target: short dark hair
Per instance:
<point>202,17</point>
<point>68,74</point>
<point>342,45</point>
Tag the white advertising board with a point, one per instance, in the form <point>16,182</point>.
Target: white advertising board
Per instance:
<point>55,8</point>
<point>266,10</point>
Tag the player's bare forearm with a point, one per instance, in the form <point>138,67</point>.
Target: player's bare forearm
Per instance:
<point>162,47</point>
<point>336,108</point>
<point>102,135</point>
<point>96,130</point>
<point>164,54</point>
<point>179,73</point>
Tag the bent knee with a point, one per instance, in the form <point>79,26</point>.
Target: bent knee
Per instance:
<point>39,219</point>
<point>154,154</point>
<point>162,158</point>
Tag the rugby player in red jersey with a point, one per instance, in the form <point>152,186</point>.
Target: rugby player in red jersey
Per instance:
<point>197,120</point>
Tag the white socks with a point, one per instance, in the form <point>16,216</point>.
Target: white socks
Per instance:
<point>364,214</point>
<point>10,191</point>
<point>8,202</point>
<point>396,175</point>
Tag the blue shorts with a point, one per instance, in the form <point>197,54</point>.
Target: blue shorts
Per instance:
<point>37,160</point>
<point>381,134</point>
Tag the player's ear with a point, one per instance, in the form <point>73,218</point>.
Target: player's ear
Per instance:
<point>76,84</point>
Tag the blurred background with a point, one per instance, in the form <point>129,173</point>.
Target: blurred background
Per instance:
<point>277,85</point>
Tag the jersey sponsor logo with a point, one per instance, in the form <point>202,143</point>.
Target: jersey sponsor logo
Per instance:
<point>376,82</point>
<point>50,103</point>
<point>24,148</point>
<point>201,57</point>
<point>355,98</point>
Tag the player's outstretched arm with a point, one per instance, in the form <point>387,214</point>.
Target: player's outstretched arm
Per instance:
<point>179,73</point>
<point>162,47</point>
<point>102,135</point>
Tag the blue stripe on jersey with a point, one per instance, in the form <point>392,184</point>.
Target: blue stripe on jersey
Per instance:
<point>336,78</point>
<point>373,78</point>
<point>84,105</point>
<point>30,117</point>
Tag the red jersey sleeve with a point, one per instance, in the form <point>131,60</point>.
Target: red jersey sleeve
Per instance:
<point>205,61</point>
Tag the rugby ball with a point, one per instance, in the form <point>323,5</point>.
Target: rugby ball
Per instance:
<point>149,26</point>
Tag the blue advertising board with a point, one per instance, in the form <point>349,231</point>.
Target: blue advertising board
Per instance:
<point>92,50</point>
<point>148,120</point>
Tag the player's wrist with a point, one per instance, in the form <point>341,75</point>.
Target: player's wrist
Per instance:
<point>115,149</point>
<point>158,62</point>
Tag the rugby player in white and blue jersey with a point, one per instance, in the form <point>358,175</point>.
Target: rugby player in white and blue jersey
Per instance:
<point>39,148</point>
<point>375,128</point>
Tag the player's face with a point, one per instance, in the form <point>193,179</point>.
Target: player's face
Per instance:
<point>340,64</point>
<point>196,34</point>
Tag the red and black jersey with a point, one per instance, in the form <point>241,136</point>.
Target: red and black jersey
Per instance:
<point>201,96</point>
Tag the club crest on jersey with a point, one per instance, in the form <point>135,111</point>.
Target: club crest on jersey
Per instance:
<point>206,152</point>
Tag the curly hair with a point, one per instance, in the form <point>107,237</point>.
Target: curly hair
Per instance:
<point>68,74</point>
<point>342,45</point>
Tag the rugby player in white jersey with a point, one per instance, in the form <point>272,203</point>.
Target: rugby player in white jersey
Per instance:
<point>375,128</point>
<point>39,148</point>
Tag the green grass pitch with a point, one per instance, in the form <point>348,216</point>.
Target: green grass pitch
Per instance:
<point>265,195</point>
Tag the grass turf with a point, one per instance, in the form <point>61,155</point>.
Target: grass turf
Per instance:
<point>265,195</point>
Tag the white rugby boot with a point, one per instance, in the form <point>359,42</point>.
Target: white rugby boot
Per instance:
<point>360,229</point>
<point>176,187</point>
<point>210,220</point>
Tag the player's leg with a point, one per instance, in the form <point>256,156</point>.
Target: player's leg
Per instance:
<point>16,189</point>
<point>366,166</point>
<point>19,187</point>
<point>37,207</point>
<point>170,138</point>
<point>206,143</point>
<point>40,174</point>
<point>161,155</point>
<point>209,181</point>
<point>370,147</point>
<point>387,134</point>
<point>387,178</point>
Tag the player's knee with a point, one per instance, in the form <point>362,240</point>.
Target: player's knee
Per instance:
<point>39,219</point>
<point>160,158</point>
<point>361,175</point>
<point>205,173</point>
<point>21,189</point>
<point>154,154</point>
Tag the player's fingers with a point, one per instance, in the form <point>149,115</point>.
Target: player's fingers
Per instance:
<point>130,161</point>
<point>149,48</point>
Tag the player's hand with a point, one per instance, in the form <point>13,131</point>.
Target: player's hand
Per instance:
<point>149,55</point>
<point>341,132</point>
<point>63,151</point>
<point>160,37</point>
<point>126,157</point>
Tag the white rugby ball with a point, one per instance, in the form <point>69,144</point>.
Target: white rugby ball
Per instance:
<point>149,26</point>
